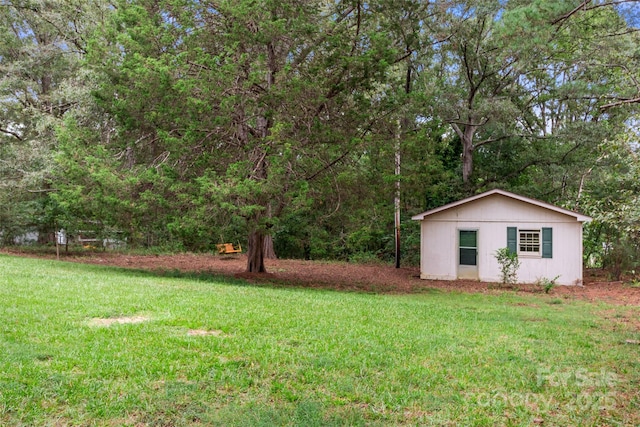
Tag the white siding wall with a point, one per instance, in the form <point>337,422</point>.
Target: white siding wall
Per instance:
<point>439,252</point>
<point>491,216</point>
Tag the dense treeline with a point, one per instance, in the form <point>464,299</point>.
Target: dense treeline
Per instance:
<point>281,125</point>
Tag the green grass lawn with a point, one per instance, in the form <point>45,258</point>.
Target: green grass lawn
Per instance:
<point>300,357</point>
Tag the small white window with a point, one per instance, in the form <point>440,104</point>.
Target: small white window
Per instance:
<point>529,242</point>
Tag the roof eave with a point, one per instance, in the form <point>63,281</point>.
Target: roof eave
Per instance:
<point>577,216</point>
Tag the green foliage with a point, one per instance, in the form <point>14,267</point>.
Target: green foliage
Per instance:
<point>547,284</point>
<point>634,282</point>
<point>612,239</point>
<point>243,116</point>
<point>175,124</point>
<point>621,257</point>
<point>509,265</point>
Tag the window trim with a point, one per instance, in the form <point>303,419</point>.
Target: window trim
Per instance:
<point>546,242</point>
<point>534,239</point>
<point>460,247</point>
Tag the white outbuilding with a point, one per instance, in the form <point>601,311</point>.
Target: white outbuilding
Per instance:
<point>459,240</point>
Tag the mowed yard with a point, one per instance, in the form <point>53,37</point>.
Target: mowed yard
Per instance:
<point>86,345</point>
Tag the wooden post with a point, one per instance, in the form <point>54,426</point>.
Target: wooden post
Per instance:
<point>397,195</point>
<point>57,238</point>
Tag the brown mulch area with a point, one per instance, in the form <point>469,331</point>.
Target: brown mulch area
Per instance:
<point>347,277</point>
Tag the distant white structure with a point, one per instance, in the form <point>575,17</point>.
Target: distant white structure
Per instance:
<point>459,240</point>
<point>84,238</point>
<point>61,237</point>
<point>27,238</point>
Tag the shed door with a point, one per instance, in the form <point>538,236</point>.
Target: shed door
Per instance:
<point>468,254</point>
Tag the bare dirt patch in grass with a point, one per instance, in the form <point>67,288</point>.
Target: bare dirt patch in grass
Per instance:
<point>105,322</point>
<point>204,332</point>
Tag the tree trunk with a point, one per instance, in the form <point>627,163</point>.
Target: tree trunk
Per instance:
<point>269,251</point>
<point>258,156</point>
<point>403,126</point>
<point>255,253</point>
<point>467,152</point>
<point>466,137</point>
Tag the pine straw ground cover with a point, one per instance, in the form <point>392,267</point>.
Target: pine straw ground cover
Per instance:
<point>86,345</point>
<point>330,275</point>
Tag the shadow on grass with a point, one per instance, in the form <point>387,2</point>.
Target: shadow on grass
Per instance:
<point>270,280</point>
<point>257,280</point>
<point>44,253</point>
<point>198,276</point>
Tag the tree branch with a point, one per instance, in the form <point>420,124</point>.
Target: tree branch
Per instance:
<point>619,103</point>
<point>457,129</point>
<point>45,190</point>
<point>8,132</point>
<point>328,166</point>
<point>460,122</point>
<point>584,6</point>
<point>490,140</point>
